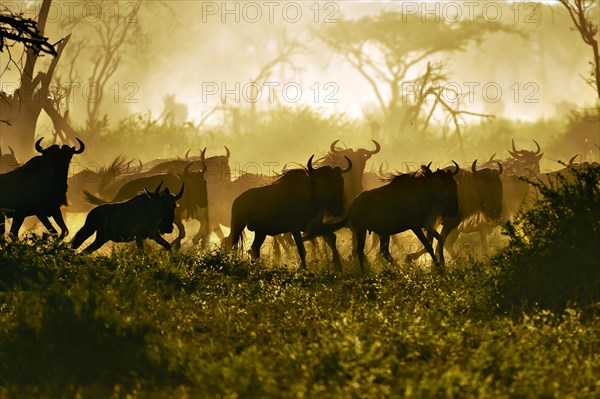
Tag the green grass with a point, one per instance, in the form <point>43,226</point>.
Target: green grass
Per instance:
<point>168,325</point>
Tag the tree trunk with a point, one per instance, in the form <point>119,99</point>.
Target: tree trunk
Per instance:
<point>24,107</point>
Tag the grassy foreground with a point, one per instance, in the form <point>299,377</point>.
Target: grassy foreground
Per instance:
<point>163,325</point>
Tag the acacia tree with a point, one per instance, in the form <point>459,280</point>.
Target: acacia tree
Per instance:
<point>582,14</point>
<point>21,109</point>
<point>390,51</point>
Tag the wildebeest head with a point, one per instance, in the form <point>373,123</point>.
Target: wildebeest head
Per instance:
<point>217,167</point>
<point>59,155</point>
<point>359,158</point>
<point>445,178</point>
<point>525,162</point>
<point>489,189</point>
<point>196,185</point>
<point>168,203</point>
<point>328,185</point>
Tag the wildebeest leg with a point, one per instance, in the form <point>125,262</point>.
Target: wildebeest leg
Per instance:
<point>58,218</point>
<point>374,242</point>
<point>384,247</point>
<point>46,222</point>
<point>450,235</point>
<point>484,232</point>
<point>160,240</point>
<point>98,242</point>
<point>205,230</point>
<point>426,243</point>
<point>359,238</point>
<point>180,233</point>
<point>440,242</point>
<point>259,239</point>
<point>331,239</point>
<point>16,225</point>
<point>301,250</point>
<point>416,255</point>
<point>83,234</point>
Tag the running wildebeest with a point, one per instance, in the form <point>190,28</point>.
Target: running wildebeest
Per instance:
<point>479,203</point>
<point>193,200</point>
<point>297,200</point>
<point>38,188</point>
<point>147,215</point>
<point>413,201</point>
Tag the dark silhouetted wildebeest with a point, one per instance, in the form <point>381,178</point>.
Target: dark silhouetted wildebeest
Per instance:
<point>297,200</point>
<point>193,200</point>
<point>479,205</point>
<point>38,188</point>
<point>413,201</point>
<point>147,215</point>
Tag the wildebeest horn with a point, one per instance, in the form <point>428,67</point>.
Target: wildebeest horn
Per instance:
<point>187,153</point>
<point>570,160</point>
<point>500,168</point>
<point>12,152</point>
<point>38,147</point>
<point>158,188</point>
<point>349,167</point>
<point>492,157</point>
<point>377,147</point>
<point>513,147</point>
<point>81,147</point>
<point>538,147</point>
<point>474,166</point>
<point>381,169</point>
<point>309,165</point>
<point>203,167</point>
<point>227,152</point>
<point>457,167</point>
<point>203,155</point>
<point>180,194</point>
<point>187,167</point>
<point>332,147</point>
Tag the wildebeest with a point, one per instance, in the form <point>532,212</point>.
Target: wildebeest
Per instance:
<point>93,181</point>
<point>353,181</point>
<point>479,203</point>
<point>147,215</point>
<point>217,167</point>
<point>8,162</point>
<point>297,200</point>
<point>195,196</point>
<point>523,162</point>
<point>38,188</point>
<point>412,201</point>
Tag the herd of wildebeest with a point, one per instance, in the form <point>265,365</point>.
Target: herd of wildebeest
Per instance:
<point>127,202</point>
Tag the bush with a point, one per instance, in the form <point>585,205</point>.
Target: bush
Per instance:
<point>553,254</point>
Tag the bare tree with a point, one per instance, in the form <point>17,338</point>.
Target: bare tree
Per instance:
<point>104,44</point>
<point>581,12</point>
<point>15,28</point>
<point>22,108</point>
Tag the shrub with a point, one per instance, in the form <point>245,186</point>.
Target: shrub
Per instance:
<point>553,253</point>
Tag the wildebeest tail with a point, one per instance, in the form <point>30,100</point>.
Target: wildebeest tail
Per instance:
<point>92,199</point>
